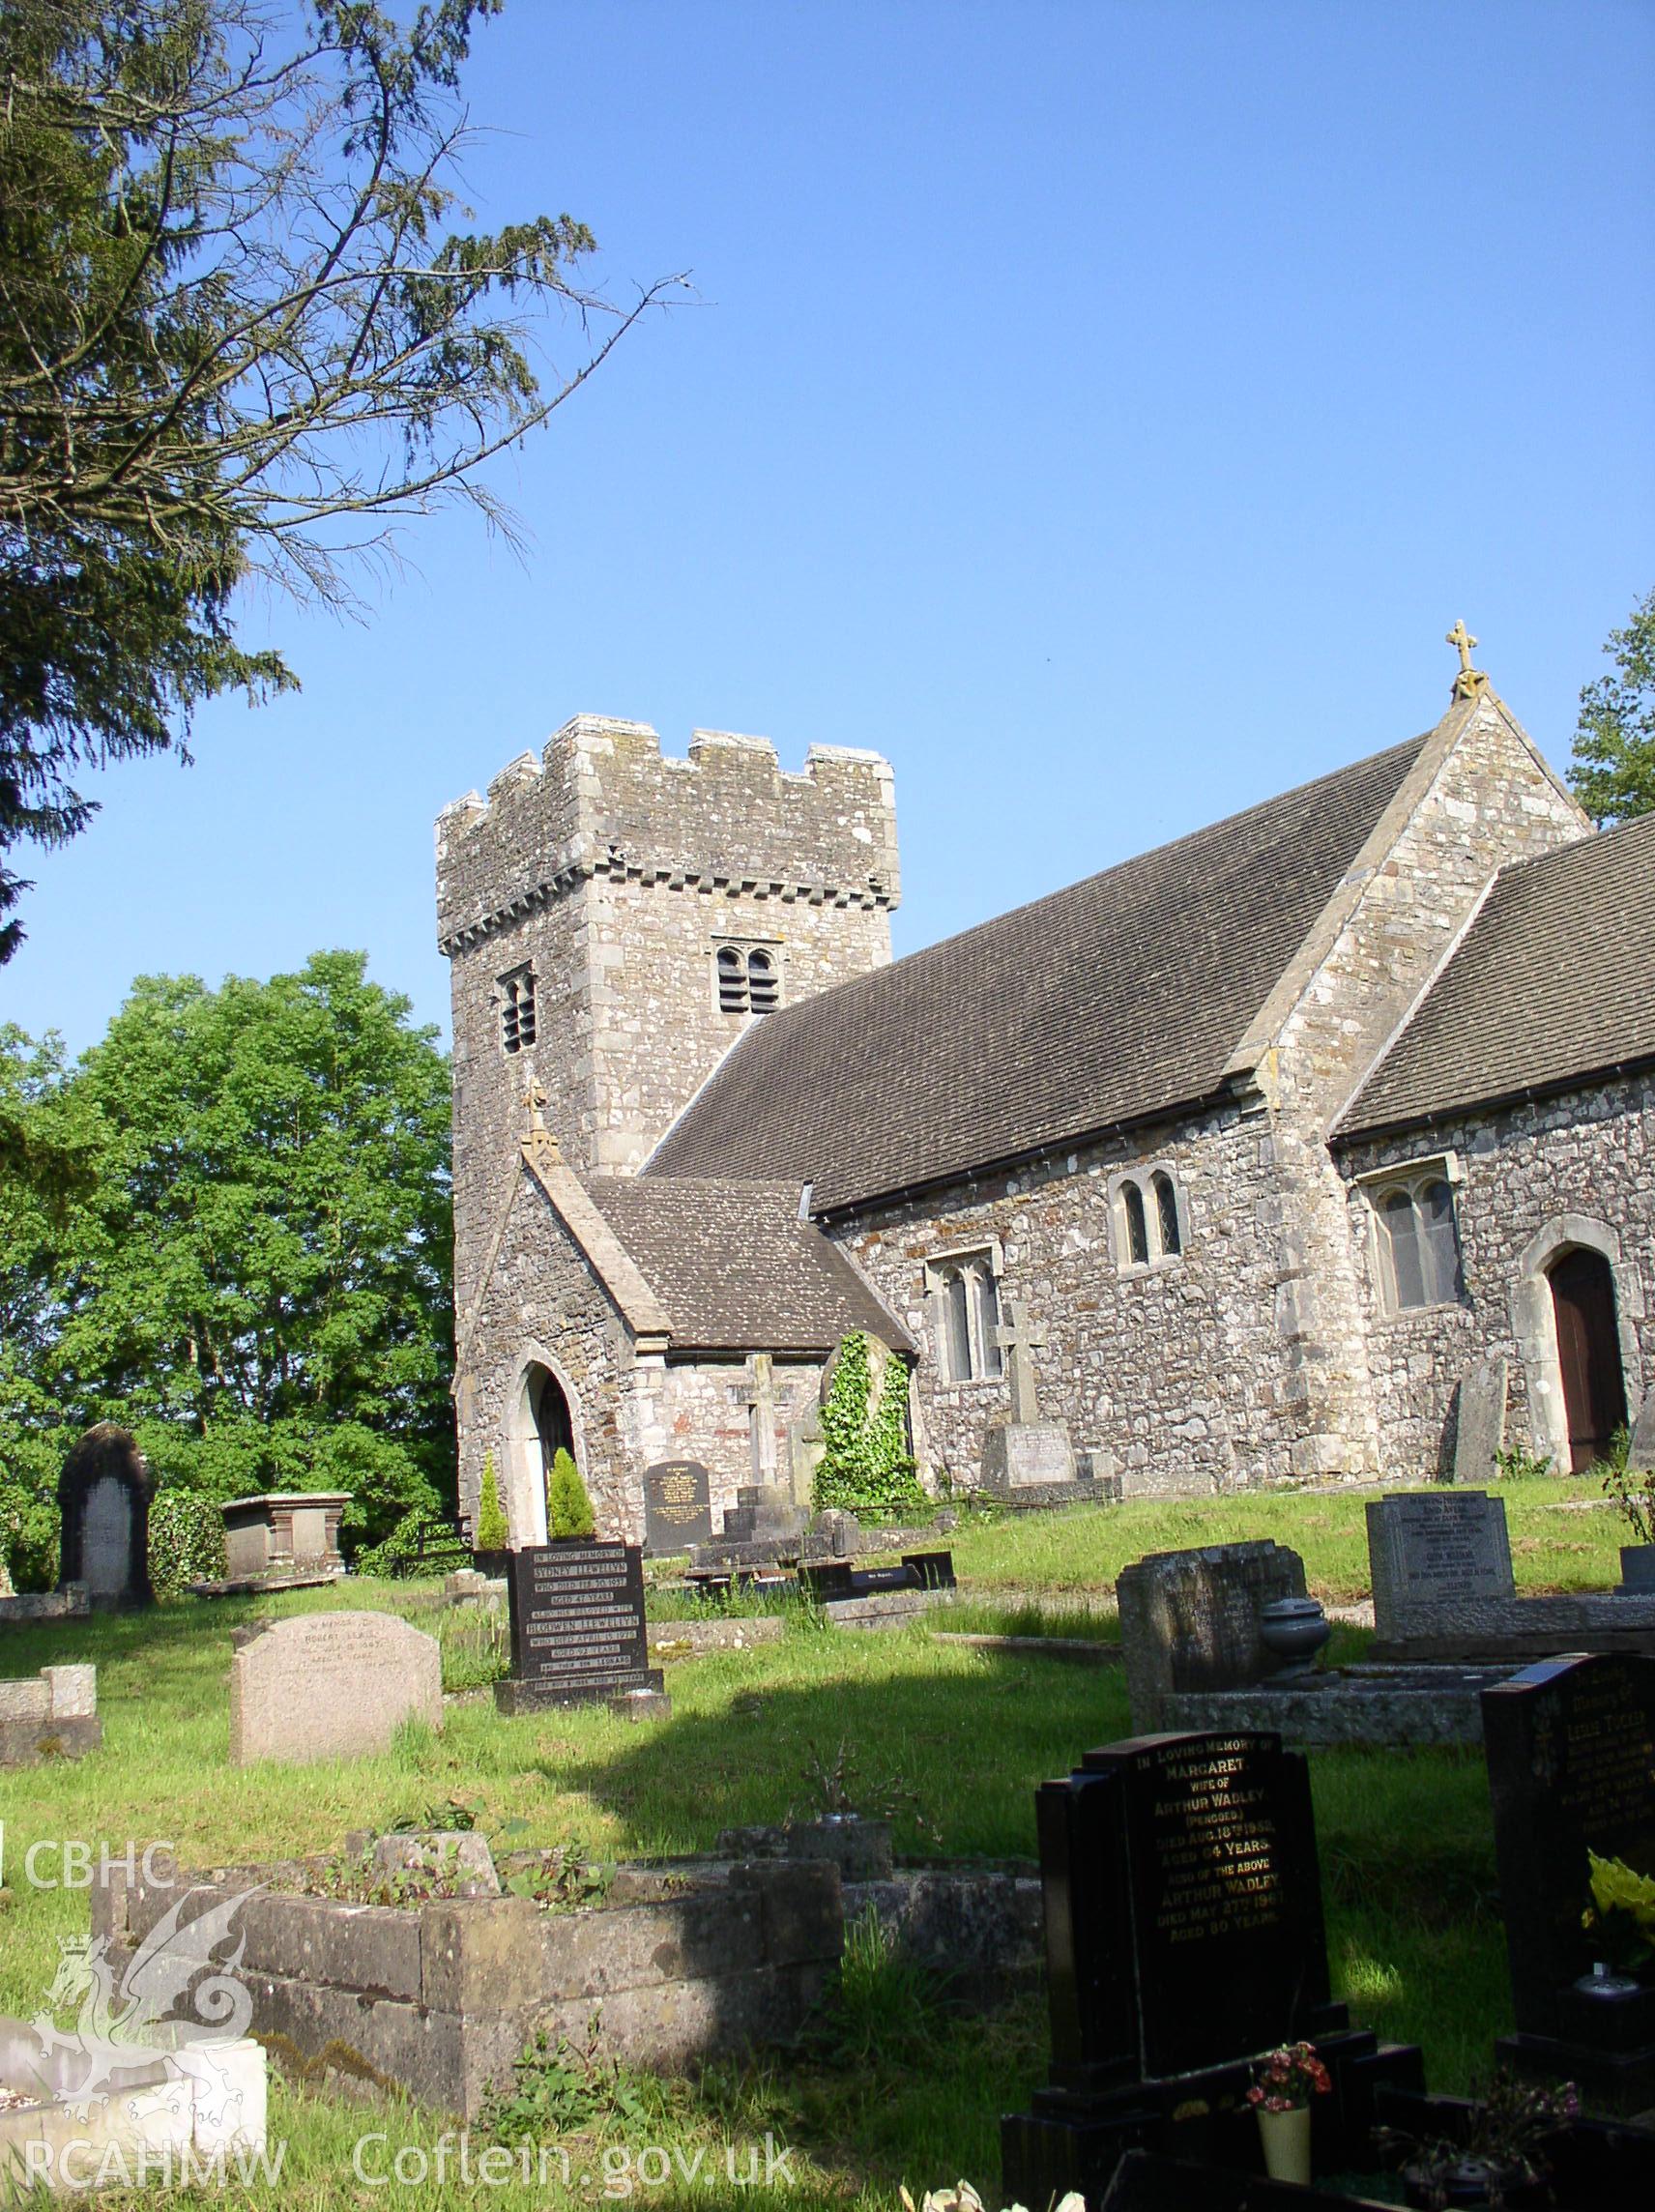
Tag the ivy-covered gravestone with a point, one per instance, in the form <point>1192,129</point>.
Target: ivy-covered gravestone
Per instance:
<point>867,1462</point>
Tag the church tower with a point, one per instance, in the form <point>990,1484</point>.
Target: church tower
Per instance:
<point>613,921</point>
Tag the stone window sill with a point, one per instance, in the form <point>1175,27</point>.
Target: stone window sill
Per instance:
<point>1403,1315</point>
<point>1136,1270</point>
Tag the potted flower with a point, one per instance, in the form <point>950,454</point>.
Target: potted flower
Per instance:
<point>1498,2156</point>
<point>1287,2079</point>
<point>1633,1491</point>
<point>1619,1922</point>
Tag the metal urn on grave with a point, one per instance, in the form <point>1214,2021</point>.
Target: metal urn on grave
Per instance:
<point>1570,1745</point>
<point>104,1494</point>
<point>578,1633</point>
<point>1184,1936</point>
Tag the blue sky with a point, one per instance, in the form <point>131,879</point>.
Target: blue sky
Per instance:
<point>1102,410</point>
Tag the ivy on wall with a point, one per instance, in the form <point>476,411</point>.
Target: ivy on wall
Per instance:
<point>866,1467</point>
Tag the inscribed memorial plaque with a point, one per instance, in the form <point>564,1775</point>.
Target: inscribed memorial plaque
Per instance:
<point>1183,1906</point>
<point>577,1620</point>
<point>1571,1758</point>
<point>678,1510</point>
<point>1430,1551</point>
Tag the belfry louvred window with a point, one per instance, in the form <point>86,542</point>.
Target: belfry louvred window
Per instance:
<point>749,979</point>
<point>517,1010</point>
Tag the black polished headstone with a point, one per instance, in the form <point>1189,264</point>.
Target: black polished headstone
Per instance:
<point>577,1621</point>
<point>1183,1906</point>
<point>678,1507</point>
<point>104,1494</point>
<point>1570,1746</point>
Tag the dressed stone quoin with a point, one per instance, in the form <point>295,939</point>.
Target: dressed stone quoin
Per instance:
<point>1253,1158</point>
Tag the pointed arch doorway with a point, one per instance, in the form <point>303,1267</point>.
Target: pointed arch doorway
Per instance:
<point>1589,1353</point>
<point>545,1420</point>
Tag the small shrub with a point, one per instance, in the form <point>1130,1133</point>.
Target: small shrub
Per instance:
<point>1516,1463</point>
<point>569,1508</point>
<point>491,1533</point>
<point>1631,1489</point>
<point>881,2009</point>
<point>187,1541</point>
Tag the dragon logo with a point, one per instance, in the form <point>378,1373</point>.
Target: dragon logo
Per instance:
<point>111,2034</point>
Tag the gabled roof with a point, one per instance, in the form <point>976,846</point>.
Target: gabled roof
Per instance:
<point>1553,984</point>
<point>1115,1000</point>
<point>735,1268</point>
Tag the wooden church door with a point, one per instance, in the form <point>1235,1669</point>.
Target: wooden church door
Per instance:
<point>1589,1353</point>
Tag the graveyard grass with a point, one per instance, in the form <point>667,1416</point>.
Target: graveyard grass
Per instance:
<point>950,1740</point>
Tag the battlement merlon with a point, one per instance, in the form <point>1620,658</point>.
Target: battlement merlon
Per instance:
<point>603,799</point>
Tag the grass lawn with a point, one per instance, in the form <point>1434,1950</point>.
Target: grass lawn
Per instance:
<point>952,1740</point>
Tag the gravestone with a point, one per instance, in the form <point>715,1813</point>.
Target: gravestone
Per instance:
<point>1431,1554</point>
<point>1184,1936</point>
<point>1479,1433</point>
<point>1641,1450</point>
<point>329,1685</point>
<point>1571,1758</point>
<point>1026,1453</point>
<point>678,1510</point>
<point>105,1492</point>
<point>1189,1621</point>
<point>49,1715</point>
<point>578,1630</point>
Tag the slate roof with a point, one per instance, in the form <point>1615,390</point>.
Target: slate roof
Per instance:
<point>1552,984</point>
<point>1115,1000</point>
<point>735,1268</point>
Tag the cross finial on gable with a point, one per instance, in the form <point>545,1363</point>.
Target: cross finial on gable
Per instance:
<point>1469,681</point>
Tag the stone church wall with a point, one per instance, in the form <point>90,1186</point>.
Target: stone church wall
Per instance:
<point>705,1416</point>
<point>1177,1369</point>
<point>1534,1178</point>
<point>1489,803</point>
<point>543,1302</point>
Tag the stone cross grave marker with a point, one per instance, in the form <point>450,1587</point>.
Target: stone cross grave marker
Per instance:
<point>577,1626</point>
<point>105,1492</point>
<point>1570,1745</point>
<point>329,1685</point>
<point>1432,1553</point>
<point>1480,1429</point>
<point>1189,1620</point>
<point>1020,1338</point>
<point>678,1510</point>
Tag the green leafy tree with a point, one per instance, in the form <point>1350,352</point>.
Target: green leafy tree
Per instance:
<point>491,1533</point>
<point>569,1508</point>
<point>259,1284</point>
<point>238,336</point>
<point>1614,768</point>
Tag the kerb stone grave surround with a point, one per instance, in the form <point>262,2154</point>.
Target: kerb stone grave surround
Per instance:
<point>329,1685</point>
<point>49,1715</point>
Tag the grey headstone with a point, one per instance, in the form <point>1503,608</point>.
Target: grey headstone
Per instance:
<point>1189,1620</point>
<point>105,1492</point>
<point>1640,1452</point>
<point>1430,1551</point>
<point>1019,1455</point>
<point>331,1685</point>
<point>1480,1431</point>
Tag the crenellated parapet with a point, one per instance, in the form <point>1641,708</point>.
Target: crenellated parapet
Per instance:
<point>603,799</point>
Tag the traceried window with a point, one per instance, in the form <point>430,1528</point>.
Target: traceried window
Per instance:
<point>517,1009</point>
<point>964,1306</point>
<point>749,978</point>
<point>1148,1220</point>
<point>1418,1238</point>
